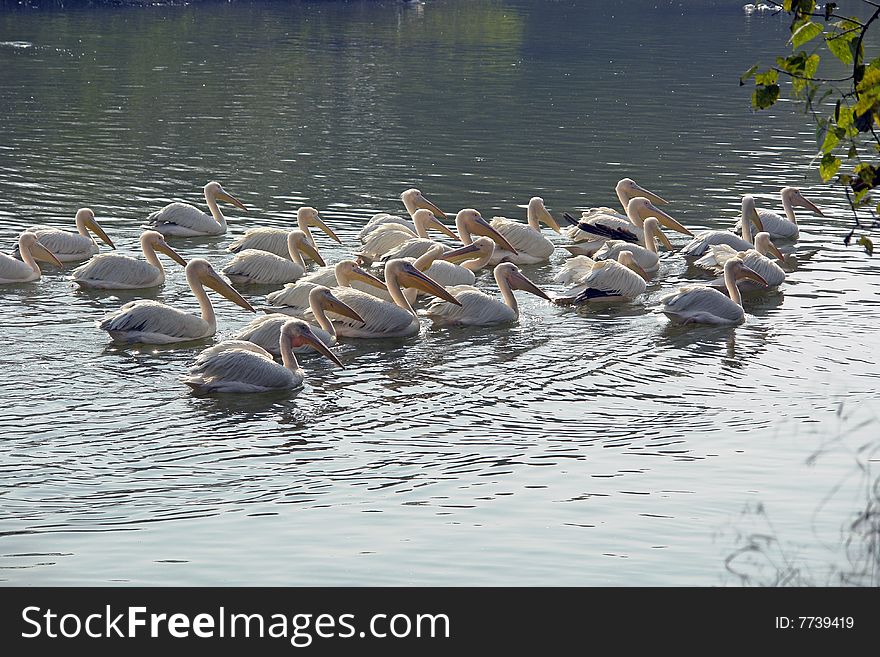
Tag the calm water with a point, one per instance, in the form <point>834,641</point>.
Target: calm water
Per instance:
<point>593,446</point>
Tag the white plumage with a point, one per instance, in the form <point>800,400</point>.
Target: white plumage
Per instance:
<point>709,238</point>
<point>185,220</point>
<point>646,256</point>
<point>785,227</point>
<point>412,200</point>
<point>114,271</point>
<point>532,247</point>
<point>391,238</point>
<point>603,280</point>
<point>626,190</point>
<point>274,240</point>
<point>26,270</point>
<point>755,259</point>
<point>73,247</point>
<point>294,297</point>
<point>264,268</point>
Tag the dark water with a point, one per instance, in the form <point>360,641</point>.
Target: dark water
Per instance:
<point>596,446</point>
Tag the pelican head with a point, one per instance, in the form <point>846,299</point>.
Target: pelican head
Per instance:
<point>627,259</point>
<point>298,241</point>
<point>471,221</point>
<point>426,219</point>
<point>28,243</point>
<point>629,188</point>
<point>85,218</point>
<point>215,190</point>
<point>652,230</point>
<point>538,211</point>
<point>642,207</point>
<point>325,299</point>
<point>202,271</point>
<point>406,275</point>
<point>349,270</point>
<point>735,268</point>
<point>297,333</point>
<point>157,242</point>
<point>479,248</point>
<point>763,245</point>
<point>310,218</point>
<point>509,272</point>
<point>413,200</point>
<point>795,198</point>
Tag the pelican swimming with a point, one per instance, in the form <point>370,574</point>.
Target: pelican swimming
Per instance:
<point>69,246</point>
<point>246,368</point>
<point>26,270</point>
<point>185,220</point>
<point>114,271</point>
<point>785,227</point>
<point>264,330</point>
<point>458,266</point>
<point>646,256</point>
<point>700,304</point>
<point>412,200</point>
<point>626,190</point>
<point>382,319</point>
<point>294,297</point>
<point>706,239</point>
<point>603,280</point>
<point>755,259</point>
<point>151,322</point>
<point>388,236</point>
<point>531,245</point>
<point>264,268</point>
<point>274,240</point>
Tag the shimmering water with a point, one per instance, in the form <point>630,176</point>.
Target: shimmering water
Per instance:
<point>592,446</point>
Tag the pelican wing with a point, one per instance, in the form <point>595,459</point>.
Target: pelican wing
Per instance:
<point>708,238</point>
<point>65,244</point>
<point>14,270</point>
<point>614,279</point>
<point>264,331</point>
<point>648,260</point>
<point>477,309</point>
<point>382,219</point>
<point>227,345</point>
<point>380,317</point>
<point>384,238</point>
<point>574,270</point>
<point>448,274</point>
<point>716,257</point>
<point>411,248</point>
<point>262,267</point>
<point>701,304</point>
<point>146,317</point>
<point>273,240</point>
<point>523,237</point>
<point>185,217</point>
<point>121,270</point>
<point>240,370</point>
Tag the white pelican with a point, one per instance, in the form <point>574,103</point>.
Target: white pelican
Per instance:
<point>626,190</point>
<point>531,245</point>
<point>755,259</point>
<point>646,256</point>
<point>457,267</point>
<point>274,240</point>
<point>382,319</point>
<point>785,227</point>
<point>412,200</point>
<point>151,322</point>
<point>699,304</point>
<point>73,247</point>
<point>600,228</point>
<point>704,240</point>
<point>388,236</point>
<point>244,368</point>
<point>185,220</point>
<point>294,297</point>
<point>263,268</point>
<point>13,270</point>
<point>603,280</point>
<point>265,330</point>
<point>114,271</point>
<point>476,308</point>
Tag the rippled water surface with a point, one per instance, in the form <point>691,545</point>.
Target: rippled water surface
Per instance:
<point>591,446</point>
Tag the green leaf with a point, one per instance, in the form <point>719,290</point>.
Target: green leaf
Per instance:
<point>866,242</point>
<point>806,32</point>
<point>828,166</point>
<point>745,76</point>
<point>853,152</point>
<point>765,96</point>
<point>768,77</point>
<point>832,138</point>
<point>841,48</point>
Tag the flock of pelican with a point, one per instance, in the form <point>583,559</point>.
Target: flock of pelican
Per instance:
<point>373,294</point>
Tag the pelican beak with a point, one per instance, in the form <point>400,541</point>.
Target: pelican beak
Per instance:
<point>40,252</point>
<point>547,218</point>
<point>220,286</point>
<point>317,222</point>
<point>333,304</point>
<point>776,252</point>
<point>746,272</point>
<point>363,275</point>
<point>518,281</point>
<point>171,253</point>
<point>483,227</point>
<point>229,198</point>
<point>412,277</point>
<point>311,252</point>
<point>756,219</point>
<point>93,226</point>
<point>637,268</point>
<point>461,254</point>
<point>810,205</point>
<point>306,337</point>
<point>651,196</point>
<point>660,235</point>
<point>421,203</point>
<point>438,225</point>
<point>667,221</point>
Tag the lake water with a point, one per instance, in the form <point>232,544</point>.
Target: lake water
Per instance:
<point>582,447</point>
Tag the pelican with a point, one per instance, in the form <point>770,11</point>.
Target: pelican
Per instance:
<point>274,240</point>
<point>704,240</point>
<point>755,259</point>
<point>185,220</point>
<point>73,247</point>
<point>599,228</point>
<point>245,369</point>
<point>604,280</point>
<point>785,227</point>
<point>476,308</point>
<point>457,267</point>
<point>382,319</point>
<point>265,330</point>
<point>151,322</point>
<point>263,268</point>
<point>699,304</point>
<point>13,270</point>
<point>294,297</point>
<point>388,236</point>
<point>531,245</point>
<point>113,271</point>
<point>646,256</point>
<point>412,200</point>
<point>626,190</point>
